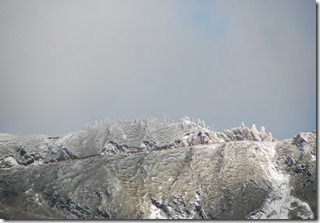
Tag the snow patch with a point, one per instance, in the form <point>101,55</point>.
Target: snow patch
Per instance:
<point>313,158</point>
<point>28,191</point>
<point>11,161</point>
<point>156,213</point>
<point>36,198</point>
<point>279,201</point>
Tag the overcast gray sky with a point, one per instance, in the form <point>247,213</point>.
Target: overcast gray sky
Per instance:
<point>65,63</point>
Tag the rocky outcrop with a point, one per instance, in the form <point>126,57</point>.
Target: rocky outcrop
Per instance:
<point>109,138</point>
<point>148,169</point>
<point>105,138</point>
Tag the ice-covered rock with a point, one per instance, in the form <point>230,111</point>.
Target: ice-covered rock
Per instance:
<point>106,138</point>
<point>245,133</point>
<point>9,162</point>
<point>149,169</point>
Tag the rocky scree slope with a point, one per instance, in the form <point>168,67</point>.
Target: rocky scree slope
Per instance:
<point>150,169</point>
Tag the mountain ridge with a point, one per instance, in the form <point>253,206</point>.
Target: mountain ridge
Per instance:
<point>108,138</point>
<point>149,169</point>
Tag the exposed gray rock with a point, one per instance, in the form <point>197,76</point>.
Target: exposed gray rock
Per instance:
<point>147,169</point>
<point>106,138</point>
<point>109,138</point>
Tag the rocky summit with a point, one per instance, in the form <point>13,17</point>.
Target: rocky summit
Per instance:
<point>147,169</point>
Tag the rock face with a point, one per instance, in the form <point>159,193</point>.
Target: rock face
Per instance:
<point>150,169</point>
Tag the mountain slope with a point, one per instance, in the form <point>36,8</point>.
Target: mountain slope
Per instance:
<point>148,169</point>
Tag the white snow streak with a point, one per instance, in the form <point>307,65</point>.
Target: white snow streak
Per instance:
<point>278,203</point>
<point>155,213</point>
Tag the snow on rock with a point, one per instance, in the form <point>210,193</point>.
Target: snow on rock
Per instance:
<point>275,206</point>
<point>245,133</point>
<point>108,138</point>
<point>172,170</point>
<point>9,162</point>
<point>156,213</point>
<point>281,203</point>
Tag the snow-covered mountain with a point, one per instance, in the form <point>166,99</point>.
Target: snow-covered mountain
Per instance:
<point>151,169</point>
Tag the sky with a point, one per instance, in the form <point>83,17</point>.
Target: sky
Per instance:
<point>66,63</point>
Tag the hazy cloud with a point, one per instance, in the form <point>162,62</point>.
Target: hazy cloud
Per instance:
<point>67,63</point>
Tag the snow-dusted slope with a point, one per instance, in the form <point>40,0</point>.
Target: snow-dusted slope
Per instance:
<point>280,200</point>
<point>109,138</point>
<point>150,169</point>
